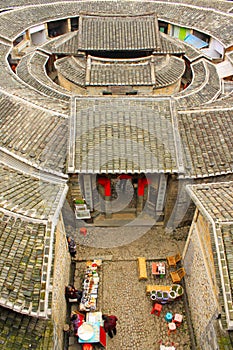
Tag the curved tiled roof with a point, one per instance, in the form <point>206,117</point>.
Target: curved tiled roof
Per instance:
<point>13,85</point>
<point>183,15</point>
<point>73,69</point>
<point>169,73</point>
<point>66,44</point>
<point>205,86</point>
<point>32,71</point>
<point>224,6</point>
<point>153,71</point>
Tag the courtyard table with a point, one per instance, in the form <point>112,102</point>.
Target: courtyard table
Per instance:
<point>158,269</point>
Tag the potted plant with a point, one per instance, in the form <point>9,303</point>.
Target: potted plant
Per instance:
<point>159,295</point>
<point>79,201</point>
<point>180,291</point>
<point>172,295</point>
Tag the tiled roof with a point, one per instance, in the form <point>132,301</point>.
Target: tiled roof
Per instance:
<point>28,195</point>
<point>10,83</point>
<point>68,45</point>
<point>73,69</point>
<point>170,72</point>
<point>31,69</point>
<point>122,135</point>
<point>224,6</point>
<point>24,268</point>
<point>192,54</point>
<point>112,32</point>
<point>19,331</point>
<point>179,14</point>
<point>156,71</point>
<point>33,134</point>
<point>205,86</point>
<point>207,141</point>
<point>170,45</point>
<point>121,72</point>
<point>217,199</point>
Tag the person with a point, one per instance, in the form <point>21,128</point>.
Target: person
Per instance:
<point>71,246</point>
<point>72,293</point>
<point>77,319</point>
<point>110,324</point>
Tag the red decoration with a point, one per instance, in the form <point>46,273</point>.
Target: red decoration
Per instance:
<point>107,185</point>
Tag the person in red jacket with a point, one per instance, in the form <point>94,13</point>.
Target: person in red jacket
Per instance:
<point>110,324</point>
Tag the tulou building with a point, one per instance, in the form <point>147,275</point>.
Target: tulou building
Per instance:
<point>114,108</point>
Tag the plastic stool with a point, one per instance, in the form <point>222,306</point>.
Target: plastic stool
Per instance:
<point>168,317</point>
<point>83,231</point>
<point>178,318</point>
<point>171,328</point>
<point>157,308</point>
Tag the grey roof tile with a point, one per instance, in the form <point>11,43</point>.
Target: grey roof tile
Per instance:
<point>73,69</point>
<point>28,195</point>
<point>32,133</point>
<point>118,32</point>
<point>122,135</point>
<point>19,331</point>
<point>204,88</point>
<point>207,141</point>
<point>217,199</point>
<point>23,249</point>
<point>31,69</point>
<point>214,4</point>
<point>122,72</point>
<point>190,16</point>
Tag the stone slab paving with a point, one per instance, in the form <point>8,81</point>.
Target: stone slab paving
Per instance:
<point>122,294</point>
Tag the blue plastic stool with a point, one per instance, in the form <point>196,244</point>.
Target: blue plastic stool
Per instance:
<point>168,317</point>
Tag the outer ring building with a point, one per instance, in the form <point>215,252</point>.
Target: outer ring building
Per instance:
<point>95,94</point>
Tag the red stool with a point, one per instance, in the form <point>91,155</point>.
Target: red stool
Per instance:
<point>87,347</point>
<point>157,308</point>
<point>83,231</point>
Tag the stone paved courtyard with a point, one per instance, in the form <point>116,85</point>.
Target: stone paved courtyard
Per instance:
<point>121,293</point>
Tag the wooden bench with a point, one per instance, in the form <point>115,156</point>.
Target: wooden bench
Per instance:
<point>142,269</point>
<point>157,287</point>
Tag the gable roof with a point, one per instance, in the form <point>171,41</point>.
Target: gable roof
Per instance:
<point>118,32</point>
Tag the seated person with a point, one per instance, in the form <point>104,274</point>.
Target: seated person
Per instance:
<point>77,319</point>
<point>72,293</point>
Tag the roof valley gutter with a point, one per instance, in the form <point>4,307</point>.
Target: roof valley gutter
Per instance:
<point>177,138</point>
